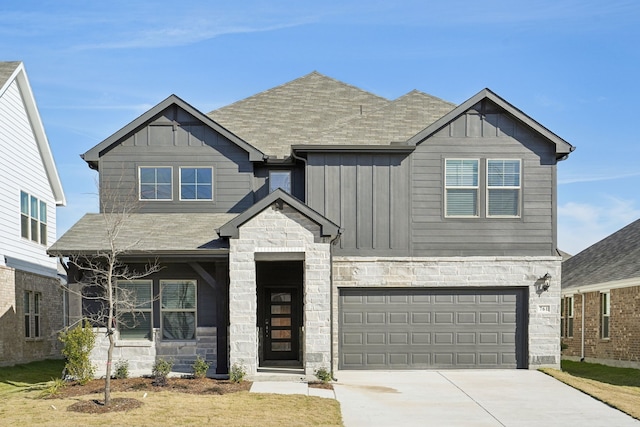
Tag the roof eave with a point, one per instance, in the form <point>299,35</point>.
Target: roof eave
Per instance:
<point>94,154</point>
<point>317,148</point>
<point>563,148</point>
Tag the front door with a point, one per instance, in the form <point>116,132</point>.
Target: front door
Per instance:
<point>281,324</point>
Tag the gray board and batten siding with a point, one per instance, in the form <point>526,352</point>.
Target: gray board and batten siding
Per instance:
<point>392,204</point>
<point>176,138</point>
<point>432,328</point>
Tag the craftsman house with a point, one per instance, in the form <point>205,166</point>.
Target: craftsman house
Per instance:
<point>31,298</point>
<point>319,225</point>
<point>601,301</point>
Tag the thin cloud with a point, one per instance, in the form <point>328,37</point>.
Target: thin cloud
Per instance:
<point>596,177</point>
<point>580,225</point>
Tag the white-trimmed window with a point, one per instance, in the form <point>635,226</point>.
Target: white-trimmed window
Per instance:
<point>33,218</point>
<point>461,187</point>
<point>503,188</point>
<point>196,183</point>
<point>566,321</point>
<point>605,311</point>
<point>280,179</point>
<point>135,309</point>
<point>156,183</point>
<point>32,302</point>
<point>178,309</point>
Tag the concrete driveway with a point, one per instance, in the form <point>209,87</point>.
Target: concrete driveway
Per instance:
<point>468,398</point>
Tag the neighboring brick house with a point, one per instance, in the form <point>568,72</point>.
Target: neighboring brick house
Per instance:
<point>31,299</point>
<point>601,290</point>
<point>319,225</point>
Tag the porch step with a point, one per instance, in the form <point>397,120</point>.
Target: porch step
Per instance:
<point>280,374</point>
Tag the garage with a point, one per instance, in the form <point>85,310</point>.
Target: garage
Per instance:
<point>432,328</point>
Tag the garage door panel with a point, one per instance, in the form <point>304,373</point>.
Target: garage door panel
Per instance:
<point>427,328</point>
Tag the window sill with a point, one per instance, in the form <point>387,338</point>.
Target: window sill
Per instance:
<point>133,343</point>
<point>169,343</point>
<point>37,339</point>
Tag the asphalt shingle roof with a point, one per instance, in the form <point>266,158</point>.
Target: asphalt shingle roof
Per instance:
<point>616,257</point>
<point>6,69</point>
<point>148,232</point>
<point>316,109</point>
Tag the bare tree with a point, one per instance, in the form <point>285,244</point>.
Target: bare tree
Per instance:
<point>104,276</point>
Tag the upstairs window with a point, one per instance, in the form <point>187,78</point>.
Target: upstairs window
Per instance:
<point>178,306</point>
<point>33,218</point>
<point>461,188</point>
<point>605,309</point>
<point>156,183</point>
<point>196,183</point>
<point>135,307</point>
<point>503,188</point>
<point>280,179</point>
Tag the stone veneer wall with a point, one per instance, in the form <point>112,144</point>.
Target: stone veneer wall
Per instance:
<point>14,347</point>
<point>279,232</point>
<point>142,354</point>
<point>433,272</point>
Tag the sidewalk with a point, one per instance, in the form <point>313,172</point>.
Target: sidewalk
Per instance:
<point>289,387</point>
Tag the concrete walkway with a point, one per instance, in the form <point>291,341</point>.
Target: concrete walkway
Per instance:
<point>290,387</point>
<point>468,398</point>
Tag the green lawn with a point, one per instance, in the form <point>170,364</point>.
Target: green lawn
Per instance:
<point>603,373</point>
<point>35,374</point>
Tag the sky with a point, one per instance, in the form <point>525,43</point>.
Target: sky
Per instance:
<point>573,66</point>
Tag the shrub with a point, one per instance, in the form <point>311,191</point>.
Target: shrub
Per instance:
<point>53,388</point>
<point>78,343</point>
<point>200,367</point>
<point>122,369</point>
<point>161,371</point>
<point>323,374</point>
<point>238,372</point>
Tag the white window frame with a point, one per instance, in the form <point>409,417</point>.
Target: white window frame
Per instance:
<point>569,306</point>
<point>142,308</point>
<point>605,315</point>
<point>196,183</point>
<point>194,309</point>
<point>448,187</point>
<point>32,306</point>
<point>276,171</point>
<point>35,216</point>
<point>504,187</point>
<point>155,183</point>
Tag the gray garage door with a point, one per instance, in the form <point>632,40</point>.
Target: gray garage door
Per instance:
<point>427,328</point>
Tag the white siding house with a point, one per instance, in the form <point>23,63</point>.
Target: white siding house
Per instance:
<point>30,295</point>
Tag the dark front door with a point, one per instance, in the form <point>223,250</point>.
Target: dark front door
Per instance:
<point>281,324</point>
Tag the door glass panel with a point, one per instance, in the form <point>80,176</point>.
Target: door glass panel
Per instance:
<point>281,346</point>
<point>280,297</point>
<point>280,309</point>
<point>280,321</point>
<point>281,334</point>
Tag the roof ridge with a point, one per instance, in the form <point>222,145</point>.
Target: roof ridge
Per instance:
<point>419,92</point>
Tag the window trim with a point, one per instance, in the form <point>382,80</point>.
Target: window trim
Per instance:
<point>519,188</point>
<point>32,315</point>
<point>605,314</point>
<point>567,316</point>
<point>140,198</point>
<point>283,171</point>
<point>196,184</point>
<point>138,309</point>
<point>193,309</point>
<point>30,222</point>
<point>476,188</point>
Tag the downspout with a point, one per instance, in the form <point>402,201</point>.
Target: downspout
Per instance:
<point>582,326</point>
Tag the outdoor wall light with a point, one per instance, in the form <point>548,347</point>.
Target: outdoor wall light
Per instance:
<point>546,281</point>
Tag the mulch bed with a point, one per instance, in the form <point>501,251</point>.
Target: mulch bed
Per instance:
<point>182,385</point>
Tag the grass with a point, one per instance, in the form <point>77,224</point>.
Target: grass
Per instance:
<point>21,405</point>
<point>617,387</point>
<point>29,376</point>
